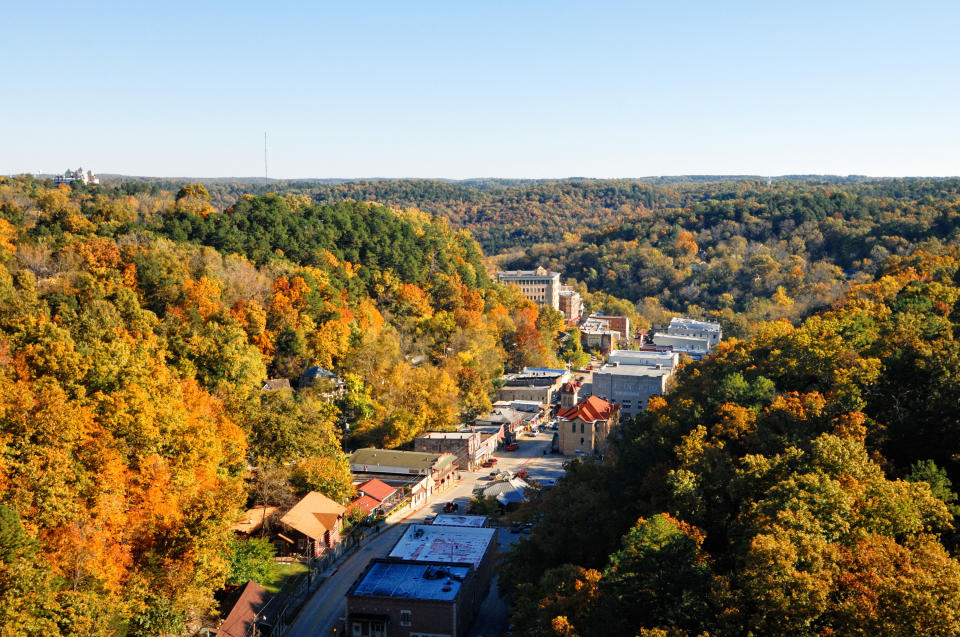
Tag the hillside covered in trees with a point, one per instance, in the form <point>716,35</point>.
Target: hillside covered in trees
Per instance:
<point>737,250</point>
<point>797,483</point>
<point>136,331</point>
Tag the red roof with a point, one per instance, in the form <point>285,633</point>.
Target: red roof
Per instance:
<point>364,502</point>
<point>590,410</point>
<point>377,489</point>
<point>244,612</point>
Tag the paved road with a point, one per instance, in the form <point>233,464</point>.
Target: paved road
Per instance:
<point>322,612</point>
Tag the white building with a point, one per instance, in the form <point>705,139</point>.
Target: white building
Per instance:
<point>70,176</point>
<point>680,326</point>
<point>695,347</point>
<point>540,286</point>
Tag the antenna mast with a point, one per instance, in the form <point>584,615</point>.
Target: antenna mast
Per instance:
<point>265,155</point>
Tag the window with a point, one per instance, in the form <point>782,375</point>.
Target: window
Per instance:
<point>404,618</point>
<point>376,630</point>
<point>357,629</point>
<point>581,441</point>
<point>573,428</point>
<point>581,427</point>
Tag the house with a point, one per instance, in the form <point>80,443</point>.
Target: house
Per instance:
<point>379,491</point>
<point>465,445</point>
<point>375,496</point>
<point>249,613</point>
<point>313,526</point>
<point>432,472</point>
<point>540,286</point>
<point>584,428</point>
<point>273,384</point>
<point>324,379</point>
<point>253,520</point>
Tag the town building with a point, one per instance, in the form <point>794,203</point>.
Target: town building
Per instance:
<point>312,527</point>
<point>423,473</point>
<point>70,176</point>
<point>452,519</point>
<point>570,303</point>
<point>666,358</point>
<point>540,286</point>
<point>681,326</point>
<point>536,384</point>
<point>618,324</point>
<point>695,347</point>
<point>584,428</point>
<point>464,445</point>
<point>631,386</point>
<point>596,335</point>
<point>452,545</point>
<point>402,598</point>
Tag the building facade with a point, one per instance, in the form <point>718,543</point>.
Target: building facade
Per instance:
<point>570,303</point>
<point>618,324</point>
<point>435,471</point>
<point>631,386</point>
<point>540,286</point>
<point>462,444</point>
<point>584,428</point>
<point>681,326</point>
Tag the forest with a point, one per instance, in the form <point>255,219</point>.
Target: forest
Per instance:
<point>800,481</point>
<point>136,332</point>
<point>796,483</point>
<point>736,250</point>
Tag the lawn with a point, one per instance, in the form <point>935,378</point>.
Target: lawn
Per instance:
<point>286,572</point>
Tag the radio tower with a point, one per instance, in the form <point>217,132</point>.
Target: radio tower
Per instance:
<point>265,156</point>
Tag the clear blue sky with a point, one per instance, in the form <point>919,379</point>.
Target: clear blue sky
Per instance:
<point>481,89</point>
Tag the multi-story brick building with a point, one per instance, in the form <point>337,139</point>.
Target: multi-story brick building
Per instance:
<point>571,304</point>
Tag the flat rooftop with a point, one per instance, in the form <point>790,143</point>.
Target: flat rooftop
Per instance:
<point>633,370</point>
<point>449,544</point>
<point>447,435</point>
<point>391,458</point>
<point>411,580</point>
<point>680,321</point>
<point>449,519</point>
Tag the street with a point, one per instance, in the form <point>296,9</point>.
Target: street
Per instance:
<point>321,612</point>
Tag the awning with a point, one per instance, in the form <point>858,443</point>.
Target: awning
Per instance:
<point>284,537</point>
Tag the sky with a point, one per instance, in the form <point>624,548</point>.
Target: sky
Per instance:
<point>481,89</point>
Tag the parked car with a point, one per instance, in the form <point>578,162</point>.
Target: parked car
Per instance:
<point>522,474</point>
<point>451,507</point>
<point>512,447</point>
<point>492,461</point>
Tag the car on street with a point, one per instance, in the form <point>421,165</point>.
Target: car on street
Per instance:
<point>512,447</point>
<point>451,507</point>
<point>522,474</point>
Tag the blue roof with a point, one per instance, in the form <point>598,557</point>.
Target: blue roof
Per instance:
<point>544,369</point>
<point>412,580</point>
